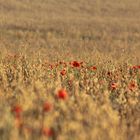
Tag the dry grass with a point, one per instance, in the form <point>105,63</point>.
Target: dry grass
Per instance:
<point>39,40</point>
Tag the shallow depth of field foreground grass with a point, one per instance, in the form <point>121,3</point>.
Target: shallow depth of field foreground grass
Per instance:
<point>69,70</point>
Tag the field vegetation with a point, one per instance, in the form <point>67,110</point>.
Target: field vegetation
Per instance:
<point>69,70</point>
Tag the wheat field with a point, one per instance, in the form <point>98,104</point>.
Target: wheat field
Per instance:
<point>69,70</point>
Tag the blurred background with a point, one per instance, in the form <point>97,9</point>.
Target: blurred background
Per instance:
<point>80,27</point>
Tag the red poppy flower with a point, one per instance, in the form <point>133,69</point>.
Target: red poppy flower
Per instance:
<point>136,67</point>
<point>132,86</point>
<point>47,132</point>
<point>17,110</point>
<point>51,66</point>
<point>113,86</point>
<point>93,68</point>
<point>47,107</point>
<point>63,72</point>
<point>62,94</point>
<point>75,64</point>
